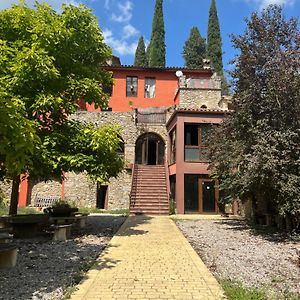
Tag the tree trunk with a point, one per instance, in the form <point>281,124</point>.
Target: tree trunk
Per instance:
<point>254,208</point>
<point>14,197</point>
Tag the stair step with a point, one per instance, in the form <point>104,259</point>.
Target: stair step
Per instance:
<point>147,186</point>
<point>139,204</point>
<point>149,212</point>
<point>149,196</point>
<point>163,202</point>
<point>150,176</point>
<point>149,191</point>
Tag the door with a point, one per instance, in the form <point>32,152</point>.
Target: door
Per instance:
<point>101,195</point>
<point>145,151</point>
<point>150,150</point>
<point>208,196</point>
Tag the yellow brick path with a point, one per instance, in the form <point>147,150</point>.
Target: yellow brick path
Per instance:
<point>149,259</point>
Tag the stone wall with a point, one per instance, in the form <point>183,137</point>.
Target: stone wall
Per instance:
<point>38,189</point>
<point>118,188</point>
<point>118,191</point>
<point>195,98</point>
<point>5,191</point>
<point>80,189</point>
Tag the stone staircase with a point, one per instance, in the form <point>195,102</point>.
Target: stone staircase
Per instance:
<point>149,192</point>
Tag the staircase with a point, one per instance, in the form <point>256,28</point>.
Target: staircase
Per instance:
<point>149,192</point>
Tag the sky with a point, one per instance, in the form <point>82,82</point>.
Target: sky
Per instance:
<point>124,21</point>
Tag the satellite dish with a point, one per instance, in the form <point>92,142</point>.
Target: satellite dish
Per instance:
<point>179,73</point>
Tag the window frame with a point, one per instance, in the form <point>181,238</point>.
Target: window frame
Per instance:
<point>129,92</point>
<point>200,145</point>
<point>145,87</point>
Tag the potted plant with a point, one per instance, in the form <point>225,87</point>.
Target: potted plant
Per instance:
<point>60,209</point>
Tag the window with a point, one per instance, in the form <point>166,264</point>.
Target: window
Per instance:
<point>196,142</point>
<point>173,146</point>
<point>149,87</point>
<point>131,86</point>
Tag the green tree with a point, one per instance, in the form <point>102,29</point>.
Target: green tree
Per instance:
<point>140,59</point>
<point>194,50</point>
<point>256,151</point>
<point>214,44</point>
<point>52,60</point>
<point>156,51</point>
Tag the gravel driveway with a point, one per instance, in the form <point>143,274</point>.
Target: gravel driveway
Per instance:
<point>45,268</point>
<point>232,251</point>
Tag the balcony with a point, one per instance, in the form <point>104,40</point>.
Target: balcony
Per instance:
<point>196,154</point>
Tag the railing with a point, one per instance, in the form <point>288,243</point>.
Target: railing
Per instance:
<point>196,154</point>
<point>45,201</point>
<point>196,83</point>
<point>167,182</point>
<point>132,203</point>
<point>152,118</point>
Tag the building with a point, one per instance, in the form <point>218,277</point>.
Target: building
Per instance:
<point>165,115</point>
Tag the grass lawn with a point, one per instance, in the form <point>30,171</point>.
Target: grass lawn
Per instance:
<point>236,291</point>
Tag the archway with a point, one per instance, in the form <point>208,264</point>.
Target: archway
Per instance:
<point>150,149</point>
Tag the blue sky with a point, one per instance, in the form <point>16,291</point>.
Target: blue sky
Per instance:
<point>124,21</point>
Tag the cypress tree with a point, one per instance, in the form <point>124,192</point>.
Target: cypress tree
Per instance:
<point>140,59</point>
<point>214,44</point>
<point>157,49</point>
<point>194,50</point>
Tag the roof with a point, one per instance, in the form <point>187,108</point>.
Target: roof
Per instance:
<point>204,110</point>
<point>197,110</point>
<point>168,69</point>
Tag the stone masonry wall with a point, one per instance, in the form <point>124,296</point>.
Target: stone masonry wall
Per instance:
<point>80,189</point>
<point>119,188</point>
<point>118,191</point>
<point>5,191</point>
<point>48,188</point>
<point>195,98</point>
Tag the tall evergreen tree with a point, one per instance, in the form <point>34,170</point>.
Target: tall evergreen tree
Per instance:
<point>214,44</point>
<point>157,49</point>
<point>140,59</point>
<point>194,49</point>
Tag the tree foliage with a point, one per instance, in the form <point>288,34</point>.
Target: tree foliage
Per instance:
<point>48,61</point>
<point>194,50</point>
<point>140,59</point>
<point>214,44</point>
<point>156,51</point>
<point>256,151</point>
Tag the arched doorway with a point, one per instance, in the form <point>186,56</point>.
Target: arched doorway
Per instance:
<point>150,149</point>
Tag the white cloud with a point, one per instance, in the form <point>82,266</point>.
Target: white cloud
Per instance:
<point>120,46</point>
<point>56,4</point>
<point>264,3</point>
<point>122,39</point>
<point>108,3</point>
<point>125,12</point>
<point>129,31</point>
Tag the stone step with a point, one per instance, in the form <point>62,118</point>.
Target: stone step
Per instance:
<point>152,202</point>
<point>151,205</point>
<point>149,191</point>
<point>157,185</point>
<point>154,176</point>
<point>149,196</point>
<point>150,212</point>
